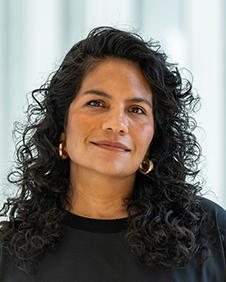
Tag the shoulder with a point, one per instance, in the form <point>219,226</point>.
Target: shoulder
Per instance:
<point>5,262</point>
<point>4,253</point>
<point>212,208</point>
<point>215,214</point>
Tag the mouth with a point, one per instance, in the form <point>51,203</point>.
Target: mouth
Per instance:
<point>109,148</point>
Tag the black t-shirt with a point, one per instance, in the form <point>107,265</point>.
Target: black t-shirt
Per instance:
<point>94,250</point>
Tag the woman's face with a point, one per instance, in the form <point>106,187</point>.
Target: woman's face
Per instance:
<point>106,109</point>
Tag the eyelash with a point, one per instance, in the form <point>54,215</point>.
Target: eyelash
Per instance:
<point>88,104</point>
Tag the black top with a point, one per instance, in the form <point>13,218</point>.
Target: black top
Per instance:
<point>93,250</point>
<point>95,225</point>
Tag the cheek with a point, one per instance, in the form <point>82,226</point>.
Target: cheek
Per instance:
<point>145,133</point>
<point>143,137</point>
<point>78,128</point>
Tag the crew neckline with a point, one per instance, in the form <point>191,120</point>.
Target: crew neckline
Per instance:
<point>95,225</point>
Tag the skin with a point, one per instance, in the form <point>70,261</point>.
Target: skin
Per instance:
<point>100,179</point>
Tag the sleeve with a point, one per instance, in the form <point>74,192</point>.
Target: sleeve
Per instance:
<point>3,263</point>
<point>217,227</point>
<point>7,269</point>
<point>221,223</point>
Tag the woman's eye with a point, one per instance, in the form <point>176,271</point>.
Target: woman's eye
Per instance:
<point>140,109</point>
<point>95,103</point>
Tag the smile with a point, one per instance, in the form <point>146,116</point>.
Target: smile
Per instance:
<point>109,148</point>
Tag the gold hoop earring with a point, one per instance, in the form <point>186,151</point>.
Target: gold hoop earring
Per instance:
<point>146,166</point>
<point>62,152</point>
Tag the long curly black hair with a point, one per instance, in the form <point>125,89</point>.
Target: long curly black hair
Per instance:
<point>165,230</point>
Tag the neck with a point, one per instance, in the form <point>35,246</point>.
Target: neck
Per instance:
<point>99,196</point>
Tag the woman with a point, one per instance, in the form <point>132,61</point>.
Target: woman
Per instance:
<point>106,172</point>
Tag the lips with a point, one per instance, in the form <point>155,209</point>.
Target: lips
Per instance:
<point>111,144</point>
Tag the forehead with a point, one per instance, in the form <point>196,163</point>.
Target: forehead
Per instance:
<point>117,74</point>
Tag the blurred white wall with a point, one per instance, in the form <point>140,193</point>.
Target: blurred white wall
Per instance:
<point>35,35</point>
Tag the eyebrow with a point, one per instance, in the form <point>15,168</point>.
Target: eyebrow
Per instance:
<point>103,94</point>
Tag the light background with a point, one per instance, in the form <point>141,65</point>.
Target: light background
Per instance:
<point>35,36</point>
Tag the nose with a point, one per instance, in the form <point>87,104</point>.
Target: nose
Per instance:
<point>116,123</point>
